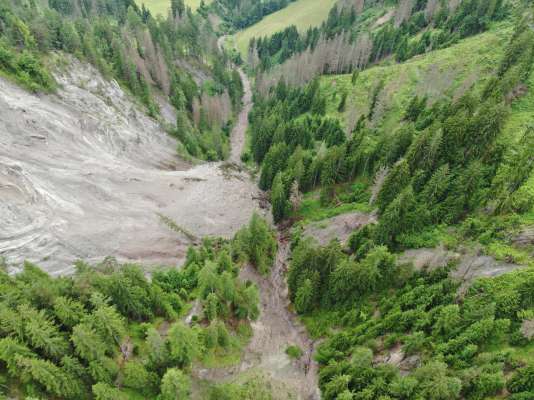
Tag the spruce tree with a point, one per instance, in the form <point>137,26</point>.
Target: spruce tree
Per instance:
<point>177,8</point>
<point>342,102</point>
<point>354,77</point>
<point>396,180</point>
<point>175,385</point>
<point>279,199</point>
<point>304,297</point>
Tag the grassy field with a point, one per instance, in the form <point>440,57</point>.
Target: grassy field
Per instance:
<point>161,7</point>
<point>448,72</point>
<point>302,13</point>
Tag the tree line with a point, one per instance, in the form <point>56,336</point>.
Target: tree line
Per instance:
<point>351,38</point>
<point>239,14</point>
<point>455,349</point>
<point>442,162</point>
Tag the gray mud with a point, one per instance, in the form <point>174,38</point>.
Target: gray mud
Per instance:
<point>339,227</point>
<point>84,174</point>
<point>238,138</point>
<point>468,265</point>
<point>275,330</point>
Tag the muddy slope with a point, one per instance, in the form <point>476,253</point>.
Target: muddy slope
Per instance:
<point>85,174</point>
<point>276,329</point>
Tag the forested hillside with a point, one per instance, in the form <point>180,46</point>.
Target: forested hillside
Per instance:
<point>359,34</point>
<point>238,14</point>
<point>393,145</point>
<point>429,131</point>
<point>175,58</point>
<point>109,333</point>
<point>302,14</point>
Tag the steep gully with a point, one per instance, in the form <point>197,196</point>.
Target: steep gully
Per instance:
<point>85,174</point>
<point>277,327</point>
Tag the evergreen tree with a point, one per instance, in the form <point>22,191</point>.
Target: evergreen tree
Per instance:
<point>103,391</point>
<point>279,199</point>
<point>258,243</point>
<point>177,8</point>
<point>342,102</point>
<point>211,307</point>
<point>396,180</point>
<point>175,385</point>
<point>354,76</point>
<point>158,355</point>
<point>304,297</point>
<point>183,344</point>
<point>400,216</point>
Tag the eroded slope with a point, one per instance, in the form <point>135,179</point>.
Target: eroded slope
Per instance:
<point>85,174</point>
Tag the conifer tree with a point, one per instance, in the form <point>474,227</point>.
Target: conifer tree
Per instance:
<point>354,77</point>
<point>177,8</point>
<point>279,199</point>
<point>183,344</point>
<point>175,385</point>
<point>400,216</point>
<point>396,180</point>
<point>304,297</point>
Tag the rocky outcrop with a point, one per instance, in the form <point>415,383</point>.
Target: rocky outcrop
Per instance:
<point>525,238</point>
<point>339,227</point>
<point>467,266</point>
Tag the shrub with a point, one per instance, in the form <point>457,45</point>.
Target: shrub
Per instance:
<point>294,352</point>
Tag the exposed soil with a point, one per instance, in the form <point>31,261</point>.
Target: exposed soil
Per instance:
<point>277,327</point>
<point>469,265</point>
<point>339,227</point>
<point>275,330</point>
<point>84,174</point>
<point>237,140</point>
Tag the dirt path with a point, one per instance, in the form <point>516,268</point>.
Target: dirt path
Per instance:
<point>238,135</point>
<point>277,328</point>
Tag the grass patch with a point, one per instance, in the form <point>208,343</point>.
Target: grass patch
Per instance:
<point>311,210</point>
<point>432,236</point>
<point>321,323</point>
<point>161,7</point>
<point>350,197</point>
<point>294,352</point>
<point>220,358</point>
<point>302,13</point>
<point>507,253</point>
<point>441,73</point>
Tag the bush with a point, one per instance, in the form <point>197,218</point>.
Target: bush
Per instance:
<point>137,377</point>
<point>522,380</point>
<point>294,352</point>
